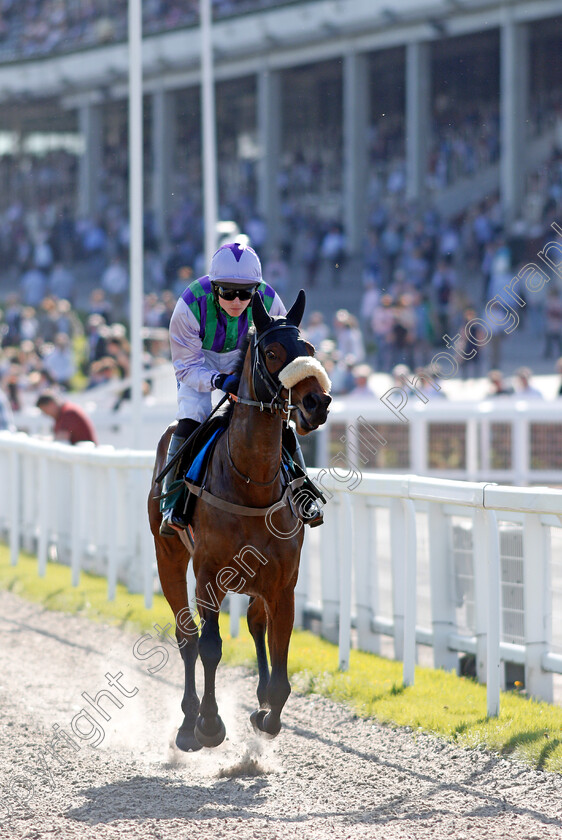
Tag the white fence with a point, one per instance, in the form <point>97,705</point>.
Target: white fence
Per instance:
<point>506,440</point>
<point>82,505</point>
<point>461,567</point>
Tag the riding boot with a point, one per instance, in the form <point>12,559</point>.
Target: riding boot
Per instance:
<point>310,510</point>
<point>173,507</point>
<point>169,498</point>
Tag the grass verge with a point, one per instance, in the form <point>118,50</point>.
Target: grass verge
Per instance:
<point>441,703</point>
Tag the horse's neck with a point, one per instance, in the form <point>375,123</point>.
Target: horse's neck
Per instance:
<point>255,442</point>
<point>255,436</point>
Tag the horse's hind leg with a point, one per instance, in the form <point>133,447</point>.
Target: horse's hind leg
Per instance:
<point>257,623</point>
<point>209,728</point>
<point>280,627</point>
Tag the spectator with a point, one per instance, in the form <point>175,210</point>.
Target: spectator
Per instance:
<point>29,324</point>
<point>348,336</point>
<point>59,363</point>
<point>443,284</point>
<point>553,316</point>
<point>341,374</point>
<point>425,384</point>
<point>71,422</point>
<point>332,251</point>
<point>310,247</point>
<point>498,388</point>
<point>276,273</point>
<point>361,387</point>
<point>99,305</point>
<point>67,321</point>
<point>369,300</point>
<point>403,331</point>
<point>115,282</point>
<point>62,282</point>
<point>471,345</point>
<point>6,417</point>
<point>316,330</point>
<point>11,335</point>
<point>382,323</point>
<point>33,286</point>
<point>103,371</point>
<point>559,372</point>
<point>524,387</point>
<point>96,333</point>
<point>11,384</point>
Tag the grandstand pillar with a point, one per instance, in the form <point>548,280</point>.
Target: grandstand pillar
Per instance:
<point>514,88</point>
<point>355,123</point>
<point>90,125</point>
<point>418,117</point>
<point>163,145</point>
<point>269,140</point>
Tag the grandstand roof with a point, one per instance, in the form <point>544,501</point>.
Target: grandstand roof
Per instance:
<point>277,36</point>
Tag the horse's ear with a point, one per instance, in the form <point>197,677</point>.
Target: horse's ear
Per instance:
<point>295,313</point>
<point>262,319</point>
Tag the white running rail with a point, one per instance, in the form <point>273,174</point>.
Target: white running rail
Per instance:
<point>462,567</point>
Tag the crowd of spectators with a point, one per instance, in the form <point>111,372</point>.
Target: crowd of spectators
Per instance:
<point>42,27</point>
<point>423,277</point>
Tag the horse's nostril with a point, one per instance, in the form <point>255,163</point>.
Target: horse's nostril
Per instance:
<point>310,401</point>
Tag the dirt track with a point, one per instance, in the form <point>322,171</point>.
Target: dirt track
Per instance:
<point>327,775</point>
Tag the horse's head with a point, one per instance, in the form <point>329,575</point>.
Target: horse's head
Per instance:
<point>284,367</point>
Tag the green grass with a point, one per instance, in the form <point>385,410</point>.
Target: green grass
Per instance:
<point>451,707</point>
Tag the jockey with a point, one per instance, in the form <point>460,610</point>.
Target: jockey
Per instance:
<point>207,329</point>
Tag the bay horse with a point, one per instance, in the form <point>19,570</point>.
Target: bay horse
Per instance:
<point>247,536</point>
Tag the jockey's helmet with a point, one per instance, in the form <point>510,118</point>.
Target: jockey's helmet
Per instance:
<point>236,266</point>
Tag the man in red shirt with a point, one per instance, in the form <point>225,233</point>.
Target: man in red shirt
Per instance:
<point>71,422</point>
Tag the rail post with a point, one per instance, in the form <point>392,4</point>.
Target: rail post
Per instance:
<point>409,659</point>
<point>538,609</point>
<point>440,570</point>
<point>346,557</point>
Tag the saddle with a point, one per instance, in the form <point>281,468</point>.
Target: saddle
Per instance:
<point>198,454</point>
<point>195,462</point>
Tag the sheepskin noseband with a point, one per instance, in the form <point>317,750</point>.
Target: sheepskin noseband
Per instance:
<point>301,368</point>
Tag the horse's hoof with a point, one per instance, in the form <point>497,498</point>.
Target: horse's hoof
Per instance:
<point>186,740</point>
<point>207,740</point>
<point>258,721</point>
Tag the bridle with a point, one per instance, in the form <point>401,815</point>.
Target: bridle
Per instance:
<point>265,384</point>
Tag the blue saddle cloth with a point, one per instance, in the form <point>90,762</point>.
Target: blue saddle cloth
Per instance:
<point>197,468</point>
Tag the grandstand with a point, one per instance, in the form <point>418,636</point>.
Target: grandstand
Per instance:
<point>355,139</point>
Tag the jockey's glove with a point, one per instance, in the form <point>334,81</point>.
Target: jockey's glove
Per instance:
<point>226,382</point>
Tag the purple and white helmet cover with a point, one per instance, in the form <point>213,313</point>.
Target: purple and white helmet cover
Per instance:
<point>235,265</point>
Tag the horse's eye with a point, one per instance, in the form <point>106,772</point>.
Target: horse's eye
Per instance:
<point>270,355</point>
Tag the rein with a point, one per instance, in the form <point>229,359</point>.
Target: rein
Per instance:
<point>247,478</point>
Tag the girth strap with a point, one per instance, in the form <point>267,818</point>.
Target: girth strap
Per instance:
<point>242,510</point>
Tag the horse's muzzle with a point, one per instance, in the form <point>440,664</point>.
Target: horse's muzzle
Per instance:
<point>315,409</point>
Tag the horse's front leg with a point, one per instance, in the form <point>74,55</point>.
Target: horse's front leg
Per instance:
<point>209,728</point>
<point>187,636</point>
<point>280,627</point>
<point>257,623</point>
<point>172,560</point>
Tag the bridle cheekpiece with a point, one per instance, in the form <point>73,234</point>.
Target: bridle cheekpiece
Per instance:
<point>267,387</point>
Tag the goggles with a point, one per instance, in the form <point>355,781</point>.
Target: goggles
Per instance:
<point>227,293</point>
